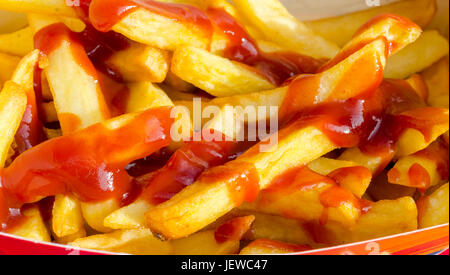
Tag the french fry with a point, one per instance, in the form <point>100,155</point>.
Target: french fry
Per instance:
<point>290,198</point>
<point>77,95</point>
<point>66,216</point>
<point>419,85</point>
<point>213,242</point>
<point>348,175</point>
<point>270,247</point>
<point>278,25</point>
<point>13,102</point>
<point>95,213</point>
<point>137,242</point>
<point>141,63</point>
<point>51,7</point>
<point>428,49</point>
<point>433,209</point>
<point>381,189</point>
<point>145,95</point>
<point>71,238</point>
<point>129,217</point>
<point>341,29</point>
<point>204,243</point>
<point>437,80</point>
<point>32,227</point>
<point>216,75</point>
<point>8,63</point>
<point>388,217</point>
<point>12,21</point>
<point>161,32</point>
<point>18,43</point>
<point>423,169</point>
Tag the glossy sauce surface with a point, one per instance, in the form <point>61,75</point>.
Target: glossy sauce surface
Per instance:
<point>241,179</point>
<point>90,163</point>
<point>186,165</point>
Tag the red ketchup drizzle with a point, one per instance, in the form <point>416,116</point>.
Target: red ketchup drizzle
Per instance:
<point>374,121</point>
<point>277,67</point>
<point>89,163</point>
<point>186,165</point>
<point>234,229</point>
<point>241,178</point>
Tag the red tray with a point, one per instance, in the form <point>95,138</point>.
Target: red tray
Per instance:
<point>431,241</point>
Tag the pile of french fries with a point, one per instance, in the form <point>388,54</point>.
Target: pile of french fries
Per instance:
<point>171,62</point>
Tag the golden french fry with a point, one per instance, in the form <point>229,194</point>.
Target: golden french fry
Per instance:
<point>215,242</point>
<point>137,242</point>
<point>271,247</point>
<point>52,7</point>
<point>18,43</point>
<point>177,85</point>
<point>385,218</point>
<point>423,169</point>
<point>71,238</point>
<point>141,63</point>
<point>204,243</point>
<point>129,217</point>
<point>437,80</point>
<point>428,49</point>
<point>76,91</point>
<point>347,174</point>
<point>277,228</point>
<point>13,102</point>
<point>341,29</point>
<point>32,227</point>
<point>216,75</point>
<point>66,216</point>
<point>12,21</point>
<point>291,199</point>
<point>145,95</point>
<point>278,25</point>
<point>8,63</point>
<point>95,213</point>
<point>433,209</point>
<point>161,32</point>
